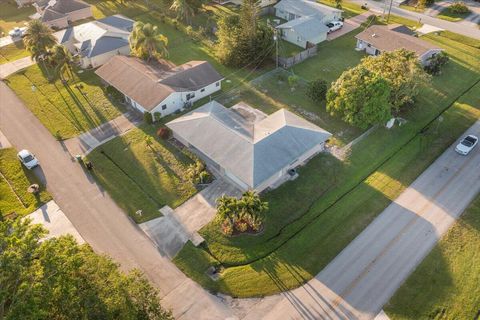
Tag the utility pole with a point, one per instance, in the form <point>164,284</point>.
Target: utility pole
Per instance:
<point>389,10</point>
<point>275,38</point>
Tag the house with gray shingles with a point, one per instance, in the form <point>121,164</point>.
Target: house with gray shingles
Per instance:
<point>97,41</point>
<point>59,14</point>
<point>253,154</point>
<point>306,21</point>
<point>377,39</point>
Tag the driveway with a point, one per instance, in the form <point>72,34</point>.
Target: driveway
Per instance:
<point>9,68</point>
<point>349,25</point>
<point>98,219</point>
<point>363,277</point>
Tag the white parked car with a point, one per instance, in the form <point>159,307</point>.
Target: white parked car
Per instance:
<point>17,32</point>
<point>27,159</point>
<point>334,26</point>
<point>466,145</point>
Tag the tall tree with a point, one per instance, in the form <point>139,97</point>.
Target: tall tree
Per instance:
<point>183,10</point>
<point>62,60</point>
<point>59,279</point>
<point>38,38</point>
<point>147,42</point>
<point>360,98</point>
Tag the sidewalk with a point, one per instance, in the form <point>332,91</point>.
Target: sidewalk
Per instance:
<point>9,68</point>
<point>4,143</point>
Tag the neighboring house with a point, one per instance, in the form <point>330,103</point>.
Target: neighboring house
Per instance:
<point>261,3</point>
<point>161,86</point>
<point>21,3</point>
<point>377,39</point>
<point>97,41</point>
<point>306,21</point>
<point>254,155</point>
<point>59,14</point>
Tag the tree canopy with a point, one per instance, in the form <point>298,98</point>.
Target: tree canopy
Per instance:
<point>360,97</point>
<point>38,38</point>
<point>147,42</point>
<point>59,279</point>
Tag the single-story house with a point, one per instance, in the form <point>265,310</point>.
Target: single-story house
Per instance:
<point>253,154</point>
<point>306,21</point>
<point>261,3</point>
<point>377,39</point>
<point>160,86</point>
<point>97,41</point>
<point>59,13</point>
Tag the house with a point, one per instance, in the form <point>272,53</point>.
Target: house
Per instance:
<point>261,3</point>
<point>97,41</point>
<point>306,21</point>
<point>59,14</point>
<point>253,154</point>
<point>161,86</point>
<point>377,39</point>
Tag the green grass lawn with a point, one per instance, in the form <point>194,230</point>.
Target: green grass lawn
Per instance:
<point>446,285</point>
<point>138,178</point>
<point>411,8</point>
<point>65,110</point>
<point>13,52</point>
<point>449,15</point>
<point>311,219</point>
<point>11,16</point>
<point>14,181</point>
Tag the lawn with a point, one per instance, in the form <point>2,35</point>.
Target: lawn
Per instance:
<point>313,218</point>
<point>11,16</point>
<point>141,178</point>
<point>14,181</point>
<point>449,15</point>
<point>411,8</point>
<point>66,110</point>
<point>12,52</point>
<point>446,285</point>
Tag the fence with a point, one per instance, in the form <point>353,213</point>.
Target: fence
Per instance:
<point>299,57</point>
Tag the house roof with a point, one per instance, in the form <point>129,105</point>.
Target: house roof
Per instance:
<point>57,9</point>
<point>384,39</point>
<point>305,7</point>
<point>307,26</point>
<point>98,37</point>
<point>150,84</point>
<point>252,151</point>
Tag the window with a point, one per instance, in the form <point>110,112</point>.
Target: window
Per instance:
<point>190,96</point>
<point>203,89</point>
<point>164,107</point>
<point>217,84</point>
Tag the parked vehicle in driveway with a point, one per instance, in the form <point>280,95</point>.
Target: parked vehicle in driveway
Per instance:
<point>334,26</point>
<point>466,145</point>
<point>17,32</point>
<point>27,159</point>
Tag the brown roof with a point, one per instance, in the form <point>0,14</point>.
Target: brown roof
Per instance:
<point>384,39</point>
<point>60,8</point>
<point>150,84</point>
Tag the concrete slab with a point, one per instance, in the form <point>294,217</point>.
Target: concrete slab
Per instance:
<point>349,25</point>
<point>55,221</point>
<point>9,68</point>
<point>4,143</point>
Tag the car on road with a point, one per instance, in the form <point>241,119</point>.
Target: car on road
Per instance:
<point>334,26</point>
<point>27,159</point>
<point>17,32</point>
<point>466,145</point>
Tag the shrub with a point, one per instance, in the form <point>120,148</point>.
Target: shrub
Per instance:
<point>317,90</point>
<point>436,62</point>
<point>157,116</point>
<point>459,8</point>
<point>147,117</point>
<point>292,81</point>
<point>164,133</point>
<point>241,226</point>
<point>227,227</point>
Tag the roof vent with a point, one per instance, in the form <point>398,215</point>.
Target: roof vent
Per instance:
<point>374,35</point>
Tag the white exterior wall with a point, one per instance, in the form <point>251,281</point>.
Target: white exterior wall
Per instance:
<point>424,58</point>
<point>362,45</point>
<point>293,37</point>
<point>99,60</point>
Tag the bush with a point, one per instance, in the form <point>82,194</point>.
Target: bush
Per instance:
<point>317,90</point>
<point>164,133</point>
<point>436,62</point>
<point>459,8</point>
<point>157,116</point>
<point>293,81</point>
<point>147,117</point>
<point>227,227</point>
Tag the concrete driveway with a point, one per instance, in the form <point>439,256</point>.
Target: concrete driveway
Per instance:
<point>9,68</point>
<point>349,25</point>
<point>363,277</point>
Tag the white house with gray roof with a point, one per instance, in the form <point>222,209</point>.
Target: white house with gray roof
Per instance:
<point>97,41</point>
<point>254,154</point>
<point>306,21</point>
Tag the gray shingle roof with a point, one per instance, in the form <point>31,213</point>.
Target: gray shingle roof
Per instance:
<point>307,27</point>
<point>253,152</point>
<point>67,6</point>
<point>305,7</point>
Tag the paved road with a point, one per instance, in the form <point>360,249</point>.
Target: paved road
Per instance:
<point>363,277</point>
<point>98,219</point>
<point>460,28</point>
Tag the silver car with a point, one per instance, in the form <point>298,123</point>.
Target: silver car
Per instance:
<point>466,145</point>
<point>27,159</point>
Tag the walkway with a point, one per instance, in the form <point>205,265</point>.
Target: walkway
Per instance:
<point>98,219</point>
<point>88,141</point>
<point>363,277</point>
<point>9,68</point>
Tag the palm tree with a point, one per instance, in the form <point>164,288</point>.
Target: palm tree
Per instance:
<point>38,38</point>
<point>183,10</point>
<point>147,42</point>
<point>61,59</point>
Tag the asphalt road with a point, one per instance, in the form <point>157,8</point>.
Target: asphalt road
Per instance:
<point>96,216</point>
<point>363,277</point>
